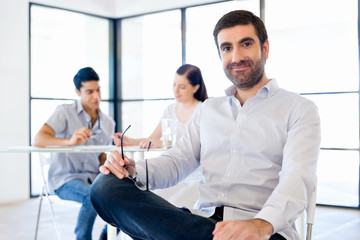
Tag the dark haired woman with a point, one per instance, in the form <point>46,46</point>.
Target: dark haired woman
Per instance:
<point>189,92</point>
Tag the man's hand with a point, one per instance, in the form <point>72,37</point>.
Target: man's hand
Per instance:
<point>254,229</point>
<point>116,165</point>
<point>80,136</point>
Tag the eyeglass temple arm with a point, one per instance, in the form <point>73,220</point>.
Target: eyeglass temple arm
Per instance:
<point>121,138</point>
<point>147,175</point>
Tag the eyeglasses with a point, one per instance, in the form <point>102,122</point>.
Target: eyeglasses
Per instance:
<point>132,171</point>
<point>133,177</point>
<point>121,139</point>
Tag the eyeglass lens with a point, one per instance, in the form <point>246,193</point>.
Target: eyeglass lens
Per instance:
<point>131,170</point>
<point>132,176</point>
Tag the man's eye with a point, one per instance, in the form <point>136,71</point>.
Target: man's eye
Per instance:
<point>225,49</point>
<point>247,44</point>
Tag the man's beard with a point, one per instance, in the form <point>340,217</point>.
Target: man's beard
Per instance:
<point>246,80</point>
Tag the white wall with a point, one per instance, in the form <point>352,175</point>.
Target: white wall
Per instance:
<point>14,77</point>
<point>14,120</point>
<point>14,95</point>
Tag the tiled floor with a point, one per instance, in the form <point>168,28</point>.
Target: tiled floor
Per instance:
<point>336,224</point>
<point>17,222</point>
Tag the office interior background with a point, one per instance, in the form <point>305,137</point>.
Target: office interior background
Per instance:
<point>136,46</point>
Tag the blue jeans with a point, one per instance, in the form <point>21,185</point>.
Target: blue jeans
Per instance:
<point>145,215</point>
<point>78,190</point>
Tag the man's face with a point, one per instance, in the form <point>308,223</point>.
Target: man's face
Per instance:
<point>242,56</point>
<point>90,95</point>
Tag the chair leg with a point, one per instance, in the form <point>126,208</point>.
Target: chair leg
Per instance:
<point>111,232</point>
<point>45,193</point>
<point>39,212</point>
<point>53,215</point>
<point>309,231</point>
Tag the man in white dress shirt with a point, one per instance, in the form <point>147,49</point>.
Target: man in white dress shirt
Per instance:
<point>257,146</point>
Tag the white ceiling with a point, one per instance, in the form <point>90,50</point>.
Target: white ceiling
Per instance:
<point>133,7</point>
<point>120,8</point>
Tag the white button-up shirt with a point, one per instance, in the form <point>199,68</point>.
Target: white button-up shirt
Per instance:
<point>258,160</point>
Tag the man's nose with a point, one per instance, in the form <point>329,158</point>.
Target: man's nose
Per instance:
<point>237,55</point>
<point>96,95</point>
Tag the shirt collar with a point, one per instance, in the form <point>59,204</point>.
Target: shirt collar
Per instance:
<point>230,91</point>
<point>270,88</point>
<point>79,107</point>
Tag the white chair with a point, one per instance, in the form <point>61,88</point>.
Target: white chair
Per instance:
<point>310,216</point>
<point>44,167</point>
<point>44,161</point>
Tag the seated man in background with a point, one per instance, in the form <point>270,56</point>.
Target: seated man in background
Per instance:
<point>82,122</point>
<point>257,147</point>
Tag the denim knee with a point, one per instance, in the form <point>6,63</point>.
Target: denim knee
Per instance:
<point>107,185</point>
<point>98,187</point>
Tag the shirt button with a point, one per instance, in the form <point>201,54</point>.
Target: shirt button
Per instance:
<point>222,195</point>
<point>228,174</point>
<point>234,151</point>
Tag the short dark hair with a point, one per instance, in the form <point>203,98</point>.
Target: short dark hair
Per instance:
<point>193,74</point>
<point>241,17</point>
<point>84,75</point>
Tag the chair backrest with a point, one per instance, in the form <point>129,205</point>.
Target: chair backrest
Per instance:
<point>309,220</point>
<point>44,159</point>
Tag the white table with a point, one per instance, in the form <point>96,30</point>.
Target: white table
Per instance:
<point>130,151</point>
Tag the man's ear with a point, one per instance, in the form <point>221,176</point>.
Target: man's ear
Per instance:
<point>77,92</point>
<point>266,49</point>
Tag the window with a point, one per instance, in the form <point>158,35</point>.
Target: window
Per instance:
<point>62,42</point>
<point>151,53</point>
<point>314,51</point>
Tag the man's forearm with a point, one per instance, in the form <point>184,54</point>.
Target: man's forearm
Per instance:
<point>43,140</point>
